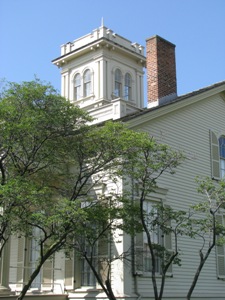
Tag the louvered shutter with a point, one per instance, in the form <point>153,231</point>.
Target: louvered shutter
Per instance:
<point>215,156</point>
<point>47,275</point>
<point>77,271</point>
<point>139,249</point>
<point>220,254</point>
<point>69,268</point>
<point>20,263</point>
<point>168,242</point>
<point>103,265</point>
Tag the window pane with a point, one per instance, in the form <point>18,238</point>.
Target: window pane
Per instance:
<point>127,87</point>
<point>87,83</point>
<point>87,76</point>
<point>222,155</point>
<point>222,147</point>
<point>77,80</point>
<point>77,87</point>
<point>118,83</point>
<point>88,278</point>
<point>151,214</point>
<point>34,257</point>
<point>222,167</point>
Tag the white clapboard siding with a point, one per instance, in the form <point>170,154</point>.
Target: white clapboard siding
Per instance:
<point>187,129</point>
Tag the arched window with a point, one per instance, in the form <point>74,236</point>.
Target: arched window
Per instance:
<point>77,87</point>
<point>127,87</point>
<point>118,83</point>
<point>87,83</point>
<point>222,155</point>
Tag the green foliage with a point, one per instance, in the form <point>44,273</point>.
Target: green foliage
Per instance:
<point>54,168</point>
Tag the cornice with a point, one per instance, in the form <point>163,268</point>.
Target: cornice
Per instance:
<point>160,111</point>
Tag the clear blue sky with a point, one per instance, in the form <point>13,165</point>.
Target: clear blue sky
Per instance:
<point>31,32</point>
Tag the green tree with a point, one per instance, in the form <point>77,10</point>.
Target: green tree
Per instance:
<point>159,222</point>
<point>52,164</point>
<point>36,126</point>
<point>34,121</point>
<point>205,223</point>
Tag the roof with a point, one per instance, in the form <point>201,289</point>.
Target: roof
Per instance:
<point>185,97</point>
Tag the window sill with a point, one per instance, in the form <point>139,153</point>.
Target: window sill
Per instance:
<point>149,275</point>
<point>87,289</point>
<point>84,98</point>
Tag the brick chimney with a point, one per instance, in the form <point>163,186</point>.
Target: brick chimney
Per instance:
<point>161,71</point>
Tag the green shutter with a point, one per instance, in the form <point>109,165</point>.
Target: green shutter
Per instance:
<point>69,268</point>
<point>215,157</point>
<point>220,254</point>
<point>20,262</point>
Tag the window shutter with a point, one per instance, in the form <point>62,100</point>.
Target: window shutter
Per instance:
<point>47,275</point>
<point>139,249</point>
<point>20,262</point>
<point>103,265</point>
<point>220,255</point>
<point>215,157</point>
<point>69,268</point>
<point>168,242</point>
<point>77,270</point>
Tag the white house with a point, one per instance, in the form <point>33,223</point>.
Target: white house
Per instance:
<point>102,72</point>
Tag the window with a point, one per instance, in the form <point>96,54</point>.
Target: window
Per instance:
<point>118,83</point>
<point>77,87</point>
<point>33,253</point>
<point>28,255</point>
<point>98,255</point>
<point>127,87</point>
<point>87,276</point>
<point>87,83</point>
<point>222,156</point>
<point>217,155</point>
<point>154,230</point>
<point>142,252</point>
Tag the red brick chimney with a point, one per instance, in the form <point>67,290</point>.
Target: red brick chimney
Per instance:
<point>161,71</point>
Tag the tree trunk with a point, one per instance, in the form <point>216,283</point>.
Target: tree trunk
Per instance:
<point>198,271</point>
<point>32,277</point>
<point>43,259</point>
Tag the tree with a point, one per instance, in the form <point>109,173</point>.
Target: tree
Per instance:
<point>158,221</point>
<point>34,120</point>
<point>36,127</point>
<point>145,161</point>
<point>52,164</point>
<point>206,223</point>
<point>203,222</point>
